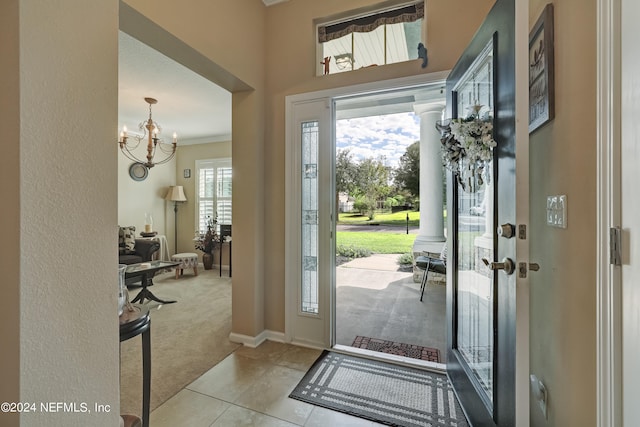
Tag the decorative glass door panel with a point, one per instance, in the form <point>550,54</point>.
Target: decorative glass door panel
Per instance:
<point>475,284</point>
<point>309,241</point>
<point>309,226</point>
<point>481,302</point>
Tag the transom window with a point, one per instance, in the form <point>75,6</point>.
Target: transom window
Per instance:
<point>382,37</point>
<point>213,187</point>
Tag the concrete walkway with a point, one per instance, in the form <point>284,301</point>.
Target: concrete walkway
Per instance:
<point>383,262</point>
<point>376,300</point>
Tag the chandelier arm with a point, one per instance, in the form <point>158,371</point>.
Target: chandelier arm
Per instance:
<point>166,148</point>
<point>165,160</point>
<point>130,156</point>
<point>129,146</point>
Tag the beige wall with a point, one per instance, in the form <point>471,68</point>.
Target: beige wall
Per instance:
<point>10,192</point>
<point>290,66</point>
<point>59,258</point>
<point>563,161</point>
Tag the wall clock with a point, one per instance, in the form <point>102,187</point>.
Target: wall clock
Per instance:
<point>138,171</point>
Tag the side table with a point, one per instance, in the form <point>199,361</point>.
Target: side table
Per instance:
<point>133,323</point>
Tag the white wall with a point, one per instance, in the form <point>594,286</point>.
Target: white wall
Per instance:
<point>187,156</point>
<point>135,198</point>
<point>65,215</point>
<point>630,154</point>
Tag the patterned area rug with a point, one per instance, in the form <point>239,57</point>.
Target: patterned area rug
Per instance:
<point>398,348</point>
<point>382,392</point>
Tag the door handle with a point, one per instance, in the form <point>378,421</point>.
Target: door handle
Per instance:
<point>505,265</point>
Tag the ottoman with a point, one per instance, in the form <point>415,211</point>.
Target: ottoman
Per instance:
<point>186,260</point>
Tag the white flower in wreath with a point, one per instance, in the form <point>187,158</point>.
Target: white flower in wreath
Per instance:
<point>470,140</point>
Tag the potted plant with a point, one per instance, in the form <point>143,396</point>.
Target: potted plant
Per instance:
<point>207,242</point>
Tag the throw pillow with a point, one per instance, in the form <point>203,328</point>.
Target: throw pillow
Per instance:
<point>127,238</point>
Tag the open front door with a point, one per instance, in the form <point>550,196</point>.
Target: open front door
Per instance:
<point>481,293</point>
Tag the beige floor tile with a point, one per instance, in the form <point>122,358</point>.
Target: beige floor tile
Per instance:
<point>236,416</point>
<point>188,408</point>
<point>321,417</point>
<point>268,350</point>
<point>269,395</point>
<point>299,358</point>
<point>230,378</point>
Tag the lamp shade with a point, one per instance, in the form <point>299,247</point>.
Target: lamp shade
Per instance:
<point>175,194</point>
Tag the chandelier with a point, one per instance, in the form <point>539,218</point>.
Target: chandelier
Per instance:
<point>150,130</point>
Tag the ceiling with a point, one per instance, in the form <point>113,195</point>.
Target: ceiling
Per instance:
<point>196,109</point>
<point>188,104</point>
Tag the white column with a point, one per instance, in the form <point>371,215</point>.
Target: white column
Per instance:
<point>431,233</point>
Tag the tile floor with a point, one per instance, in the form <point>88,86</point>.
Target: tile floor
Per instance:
<point>251,388</point>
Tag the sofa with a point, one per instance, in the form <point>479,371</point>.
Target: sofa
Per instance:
<point>132,250</point>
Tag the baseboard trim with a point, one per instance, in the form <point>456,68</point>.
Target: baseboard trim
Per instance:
<point>253,342</point>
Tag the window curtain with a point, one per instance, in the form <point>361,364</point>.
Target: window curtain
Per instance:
<point>369,23</point>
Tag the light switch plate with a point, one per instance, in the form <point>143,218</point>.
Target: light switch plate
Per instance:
<point>557,211</point>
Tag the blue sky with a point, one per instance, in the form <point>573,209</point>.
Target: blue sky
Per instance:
<point>387,135</point>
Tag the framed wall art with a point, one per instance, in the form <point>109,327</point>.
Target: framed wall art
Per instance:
<point>541,80</point>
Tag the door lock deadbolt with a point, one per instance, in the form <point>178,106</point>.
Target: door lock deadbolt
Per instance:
<point>506,230</point>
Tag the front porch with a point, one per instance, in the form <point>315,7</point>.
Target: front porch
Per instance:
<point>375,300</point>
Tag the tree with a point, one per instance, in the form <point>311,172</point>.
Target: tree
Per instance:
<point>345,171</point>
<point>365,180</point>
<point>407,175</point>
<point>372,182</point>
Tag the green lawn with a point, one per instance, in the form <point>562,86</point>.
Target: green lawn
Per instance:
<point>376,242</point>
<point>388,243</point>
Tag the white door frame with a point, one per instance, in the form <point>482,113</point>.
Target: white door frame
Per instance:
<point>608,277</point>
<point>293,331</point>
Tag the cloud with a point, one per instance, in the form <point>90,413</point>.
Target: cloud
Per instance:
<point>387,135</point>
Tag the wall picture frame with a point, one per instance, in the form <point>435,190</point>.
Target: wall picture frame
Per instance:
<point>541,71</point>
<point>187,173</point>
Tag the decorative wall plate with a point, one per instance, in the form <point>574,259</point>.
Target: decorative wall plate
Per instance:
<point>138,171</point>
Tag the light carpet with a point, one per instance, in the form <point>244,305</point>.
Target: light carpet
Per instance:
<point>382,392</point>
<point>187,338</point>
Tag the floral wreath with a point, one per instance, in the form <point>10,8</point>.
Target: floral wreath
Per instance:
<point>467,144</point>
